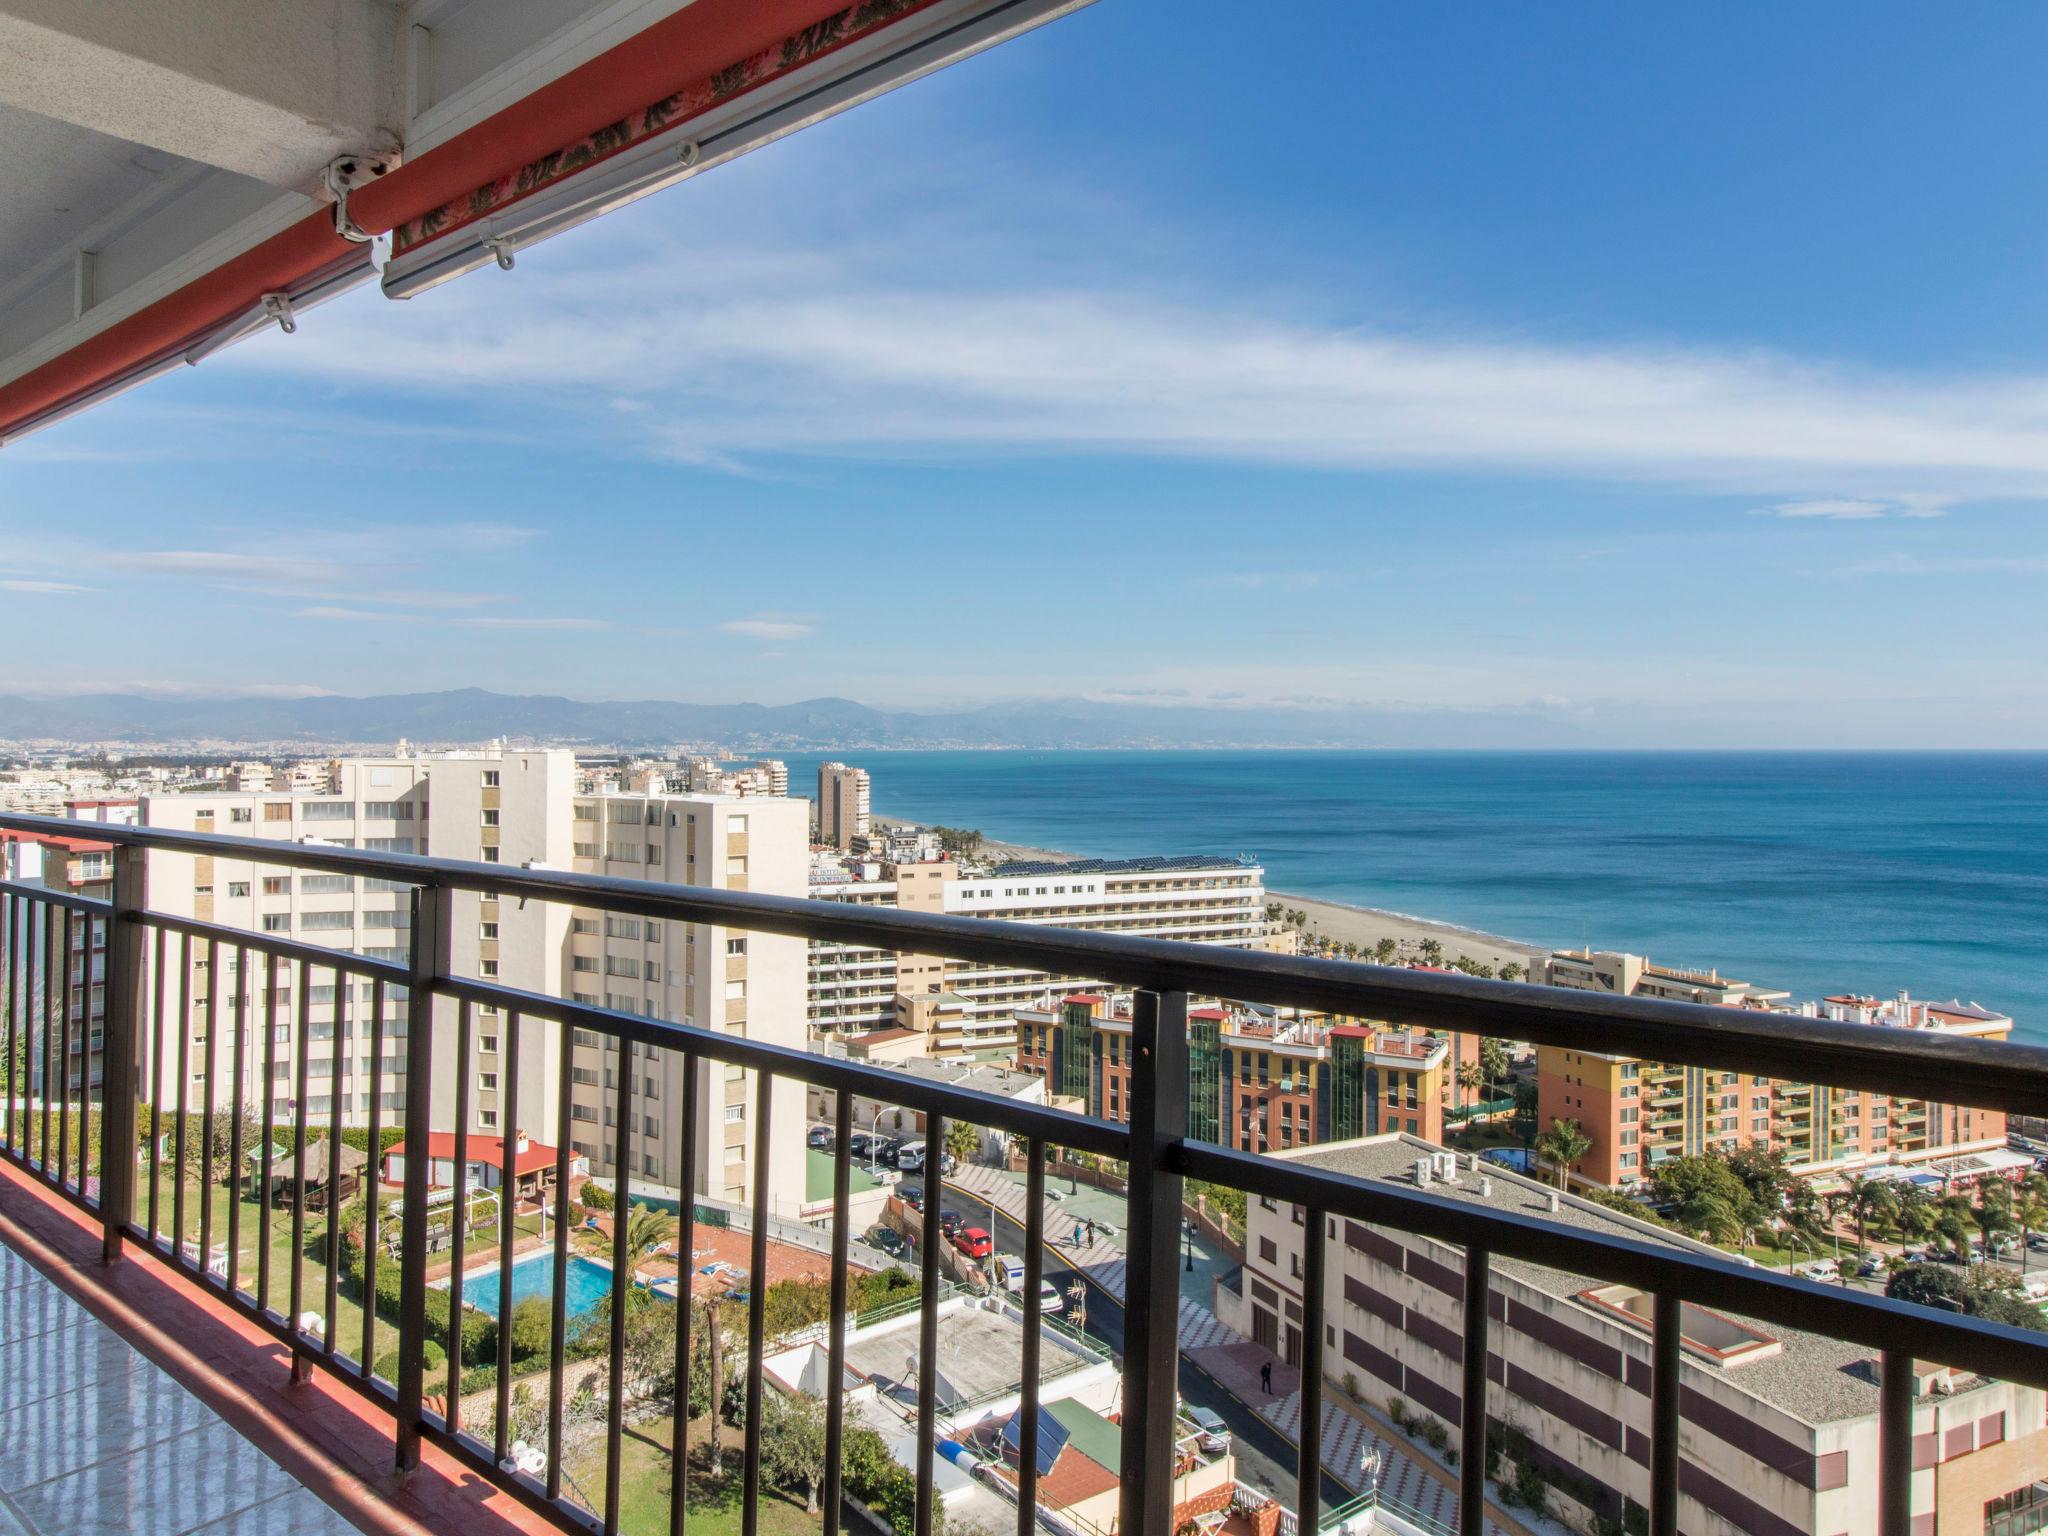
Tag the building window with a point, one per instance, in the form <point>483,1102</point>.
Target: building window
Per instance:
<point>241,813</point>
<point>241,887</point>
<point>487,930</point>
<point>487,1118</point>
<point>490,818</point>
<point>735,946</point>
<point>489,967</point>
<point>490,778</point>
<point>490,855</point>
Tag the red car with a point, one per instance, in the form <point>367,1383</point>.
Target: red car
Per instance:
<point>974,1242</point>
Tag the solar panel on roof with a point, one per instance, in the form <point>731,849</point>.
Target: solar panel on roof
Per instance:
<point>1052,1438</point>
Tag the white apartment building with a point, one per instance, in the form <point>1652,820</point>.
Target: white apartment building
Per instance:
<point>1197,899</point>
<point>694,973</point>
<point>517,808</point>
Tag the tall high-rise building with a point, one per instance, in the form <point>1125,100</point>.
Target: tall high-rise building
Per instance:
<point>842,806</point>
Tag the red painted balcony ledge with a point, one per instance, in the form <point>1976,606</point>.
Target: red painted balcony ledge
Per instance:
<point>328,1439</point>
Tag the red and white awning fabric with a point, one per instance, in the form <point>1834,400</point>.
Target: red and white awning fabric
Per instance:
<point>701,86</point>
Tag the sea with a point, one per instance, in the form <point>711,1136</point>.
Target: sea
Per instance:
<point>1814,872</point>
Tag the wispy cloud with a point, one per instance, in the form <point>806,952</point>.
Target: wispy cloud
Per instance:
<point>771,626</point>
<point>1848,510</point>
<point>511,622</point>
<point>855,363</point>
<point>227,565</point>
<point>51,588</point>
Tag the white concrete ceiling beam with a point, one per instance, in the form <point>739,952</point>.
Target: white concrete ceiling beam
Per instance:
<point>271,89</point>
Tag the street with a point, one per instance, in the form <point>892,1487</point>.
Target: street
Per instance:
<point>1265,1458</point>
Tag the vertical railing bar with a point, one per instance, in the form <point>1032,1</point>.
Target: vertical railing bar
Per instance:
<point>1895,1446</point>
<point>835,1371</point>
<point>458,1238</point>
<point>558,1324</point>
<point>64,1057</point>
<point>622,1276</point>
<point>235,1149</point>
<point>1159,1122</point>
<point>1309,1462</point>
<point>928,1326</point>
<point>85,1098</point>
<point>1666,1334</point>
<point>156,1083</point>
<point>501,1430</point>
<point>64,1064</point>
<point>339,1037</point>
<point>686,1239</point>
<point>208,1063</point>
<point>1034,1279</point>
<point>12,928</point>
<point>432,915</point>
<point>269,1131</point>
<point>372,1179</point>
<point>301,1067</point>
<point>49,1059</point>
<point>757,1314</point>
<point>184,1109</point>
<point>1472,1402</point>
<point>124,1033</point>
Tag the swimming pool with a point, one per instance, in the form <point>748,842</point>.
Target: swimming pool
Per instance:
<point>589,1283</point>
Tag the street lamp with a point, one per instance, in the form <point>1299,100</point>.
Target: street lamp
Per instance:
<point>874,1135</point>
<point>1187,1242</point>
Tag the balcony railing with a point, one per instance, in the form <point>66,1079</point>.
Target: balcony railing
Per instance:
<point>84,1150</point>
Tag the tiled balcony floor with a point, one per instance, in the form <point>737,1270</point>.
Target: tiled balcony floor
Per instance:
<point>95,1438</point>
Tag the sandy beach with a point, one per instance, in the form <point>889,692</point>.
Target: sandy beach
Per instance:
<point>1334,921</point>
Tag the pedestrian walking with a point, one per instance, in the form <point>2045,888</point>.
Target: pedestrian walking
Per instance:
<point>1266,1378</point>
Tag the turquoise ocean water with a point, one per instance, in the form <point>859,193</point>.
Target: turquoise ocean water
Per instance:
<point>1815,872</point>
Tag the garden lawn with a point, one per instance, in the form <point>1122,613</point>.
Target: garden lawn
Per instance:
<point>714,1503</point>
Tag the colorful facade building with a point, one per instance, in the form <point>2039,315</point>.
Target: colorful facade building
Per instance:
<point>1257,1080</point>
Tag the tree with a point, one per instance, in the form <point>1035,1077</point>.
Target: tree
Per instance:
<point>1433,952</point>
<point>793,1441</point>
<point>1928,1284</point>
<point>1471,1078</point>
<point>962,1140</point>
<point>1765,1173</point>
<point>1273,912</point>
<point>1563,1145</point>
<point>1385,951</point>
<point>2030,1211</point>
<point>1525,1112</point>
<point>1511,970</point>
<point>1993,1213</point>
<point>647,1229</point>
<point>1493,1061</point>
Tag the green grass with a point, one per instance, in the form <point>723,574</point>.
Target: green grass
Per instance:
<point>713,1503</point>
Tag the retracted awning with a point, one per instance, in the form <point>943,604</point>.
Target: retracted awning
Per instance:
<point>180,193</point>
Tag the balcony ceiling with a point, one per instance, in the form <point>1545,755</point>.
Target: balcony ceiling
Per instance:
<point>164,158</point>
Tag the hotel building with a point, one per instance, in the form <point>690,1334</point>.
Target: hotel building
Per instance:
<point>854,990</point>
<point>1780,1427</point>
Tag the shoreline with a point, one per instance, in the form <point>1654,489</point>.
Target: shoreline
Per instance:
<point>1337,921</point>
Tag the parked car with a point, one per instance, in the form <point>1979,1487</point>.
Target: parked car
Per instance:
<point>860,1143</point>
<point>949,1221</point>
<point>910,1156</point>
<point>1211,1433</point>
<point>911,1195</point>
<point>1821,1269</point>
<point>820,1137</point>
<point>1055,1194</point>
<point>1872,1264</point>
<point>890,1241</point>
<point>975,1242</point>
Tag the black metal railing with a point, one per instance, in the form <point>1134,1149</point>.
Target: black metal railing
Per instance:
<point>148,1035</point>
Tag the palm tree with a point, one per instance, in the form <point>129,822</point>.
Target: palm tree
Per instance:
<point>1993,1214</point>
<point>1471,1078</point>
<point>648,1229</point>
<point>1385,951</point>
<point>1714,1218</point>
<point>1563,1145</point>
<point>1916,1214</point>
<point>2030,1211</point>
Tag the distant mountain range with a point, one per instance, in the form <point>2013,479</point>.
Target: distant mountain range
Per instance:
<point>475,715</point>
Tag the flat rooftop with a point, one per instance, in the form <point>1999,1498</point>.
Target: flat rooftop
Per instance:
<point>1811,1377</point>
<point>980,1355</point>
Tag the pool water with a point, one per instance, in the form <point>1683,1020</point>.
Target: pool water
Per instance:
<point>589,1283</point>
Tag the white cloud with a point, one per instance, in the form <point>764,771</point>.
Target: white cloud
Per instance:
<point>530,623</point>
<point>1845,511</point>
<point>225,565</point>
<point>50,588</point>
<point>770,626</point>
<point>858,363</point>
<point>330,611</point>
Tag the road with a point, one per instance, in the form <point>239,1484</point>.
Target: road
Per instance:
<point>1265,1457</point>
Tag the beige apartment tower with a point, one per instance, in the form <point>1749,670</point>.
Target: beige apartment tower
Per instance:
<point>842,806</point>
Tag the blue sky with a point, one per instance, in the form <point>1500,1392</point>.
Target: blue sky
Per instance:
<point>1681,368</point>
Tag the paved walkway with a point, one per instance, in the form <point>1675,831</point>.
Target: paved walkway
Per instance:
<point>93,1437</point>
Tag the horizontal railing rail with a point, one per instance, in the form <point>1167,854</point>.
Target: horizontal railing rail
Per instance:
<point>149,1035</point>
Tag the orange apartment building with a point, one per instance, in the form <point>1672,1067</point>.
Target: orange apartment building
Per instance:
<point>1638,1114</point>
<point>1258,1080</point>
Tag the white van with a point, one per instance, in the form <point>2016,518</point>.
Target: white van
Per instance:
<point>910,1156</point>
